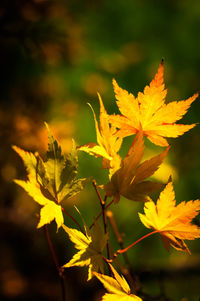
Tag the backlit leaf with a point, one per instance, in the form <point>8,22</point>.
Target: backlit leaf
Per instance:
<point>90,246</point>
<point>50,212</point>
<point>158,120</point>
<point>51,181</point>
<point>117,287</point>
<point>129,180</point>
<point>173,222</point>
<point>108,144</point>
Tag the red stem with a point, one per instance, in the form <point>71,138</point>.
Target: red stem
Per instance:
<point>97,191</point>
<point>136,137</point>
<point>81,229</point>
<point>52,249</point>
<point>55,259</point>
<point>133,244</point>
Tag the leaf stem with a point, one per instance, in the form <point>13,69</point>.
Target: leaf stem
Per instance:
<point>55,259</point>
<point>133,244</point>
<point>136,137</point>
<point>69,215</point>
<point>121,251</point>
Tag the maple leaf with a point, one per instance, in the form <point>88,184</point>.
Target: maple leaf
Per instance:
<point>90,246</point>
<point>51,181</point>
<point>108,144</point>
<point>117,287</point>
<point>173,222</point>
<point>128,180</point>
<point>158,119</point>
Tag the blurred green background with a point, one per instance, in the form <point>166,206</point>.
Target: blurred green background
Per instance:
<point>55,56</point>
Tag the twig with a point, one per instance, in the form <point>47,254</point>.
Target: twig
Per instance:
<point>97,191</point>
<point>118,235</point>
<point>102,202</point>
<point>55,259</point>
<point>132,278</point>
<point>100,214</point>
<point>105,226</point>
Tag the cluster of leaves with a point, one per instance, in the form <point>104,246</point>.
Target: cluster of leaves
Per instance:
<point>53,181</point>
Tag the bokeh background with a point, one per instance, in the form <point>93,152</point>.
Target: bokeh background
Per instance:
<point>55,56</point>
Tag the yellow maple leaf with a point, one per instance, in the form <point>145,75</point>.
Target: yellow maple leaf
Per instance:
<point>50,210</point>
<point>158,119</point>
<point>108,144</point>
<point>129,179</point>
<point>52,181</point>
<point>117,287</point>
<point>90,246</point>
<point>171,221</point>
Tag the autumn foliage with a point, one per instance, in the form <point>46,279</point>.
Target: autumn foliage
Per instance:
<point>158,120</point>
<point>53,180</point>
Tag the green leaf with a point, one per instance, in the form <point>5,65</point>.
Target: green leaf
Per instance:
<point>41,173</point>
<point>69,171</point>
<point>54,164</point>
<point>71,189</point>
<point>62,171</point>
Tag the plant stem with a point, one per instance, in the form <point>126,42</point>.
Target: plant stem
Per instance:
<point>121,251</point>
<point>105,226</point>
<point>103,202</point>
<point>128,273</point>
<point>136,137</point>
<point>100,214</point>
<point>55,259</point>
<point>67,213</point>
<point>118,235</point>
<point>97,191</point>
<point>133,244</point>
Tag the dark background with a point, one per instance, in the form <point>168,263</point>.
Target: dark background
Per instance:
<point>54,57</point>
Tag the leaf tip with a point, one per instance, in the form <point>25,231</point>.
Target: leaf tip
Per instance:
<point>13,147</point>
<point>46,125</point>
<point>99,96</point>
<point>16,149</point>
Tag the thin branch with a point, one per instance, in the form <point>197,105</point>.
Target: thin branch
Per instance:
<point>129,274</point>
<point>105,227</point>
<point>100,214</point>
<point>118,235</point>
<point>55,259</point>
<point>103,202</point>
<point>97,191</point>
